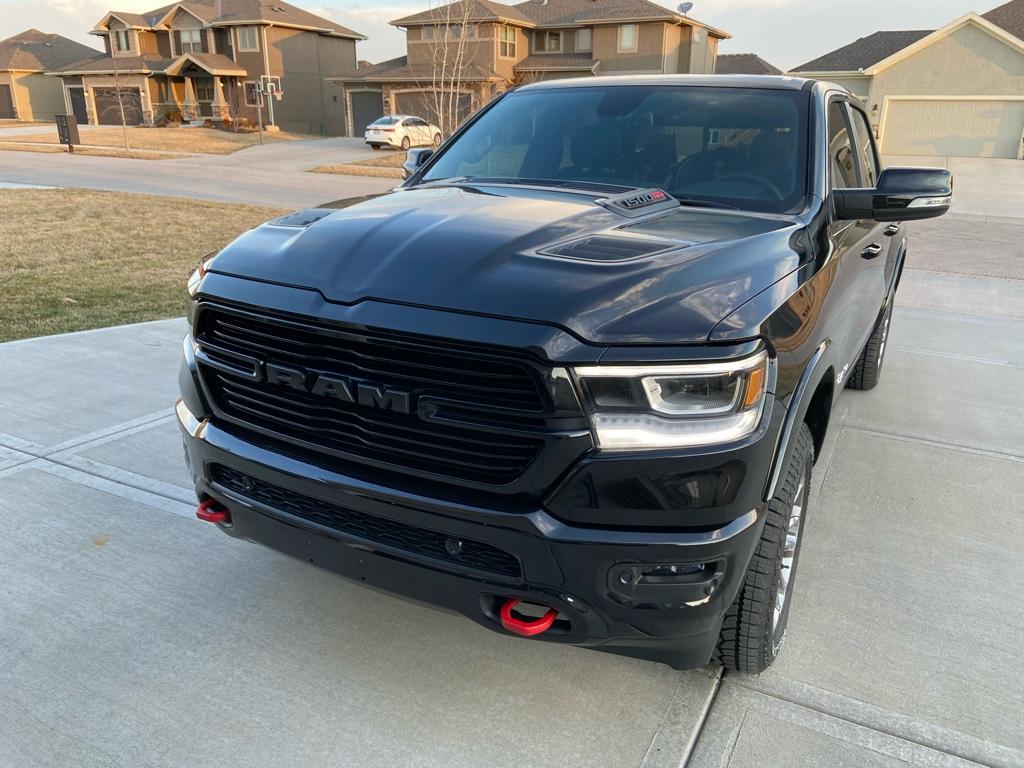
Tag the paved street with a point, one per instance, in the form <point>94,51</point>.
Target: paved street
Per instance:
<point>273,174</point>
<point>133,635</point>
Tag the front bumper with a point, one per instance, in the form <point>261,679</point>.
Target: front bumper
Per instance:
<point>573,569</point>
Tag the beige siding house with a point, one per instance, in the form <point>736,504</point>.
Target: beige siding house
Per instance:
<point>955,91</point>
<point>25,92</point>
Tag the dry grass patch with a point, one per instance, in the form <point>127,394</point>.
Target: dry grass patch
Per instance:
<point>207,141</point>
<point>94,151</point>
<point>76,259</point>
<point>387,166</point>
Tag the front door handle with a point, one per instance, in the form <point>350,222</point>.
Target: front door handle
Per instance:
<point>871,251</point>
<point>892,229</point>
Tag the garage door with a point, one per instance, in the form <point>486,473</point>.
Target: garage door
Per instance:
<point>6,103</point>
<point>953,128</point>
<point>109,111</point>
<point>367,106</point>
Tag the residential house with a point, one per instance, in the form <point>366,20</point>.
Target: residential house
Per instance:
<point>479,48</point>
<point>954,91</point>
<point>203,59</point>
<point>744,64</point>
<point>25,92</point>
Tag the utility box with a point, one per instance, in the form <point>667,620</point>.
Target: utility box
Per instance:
<point>67,131</point>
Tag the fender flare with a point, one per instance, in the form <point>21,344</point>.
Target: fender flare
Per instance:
<point>806,386</point>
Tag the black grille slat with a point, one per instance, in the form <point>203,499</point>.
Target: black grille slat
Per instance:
<point>428,453</point>
<point>479,447</point>
<point>397,369</point>
<point>392,533</point>
<point>480,382</point>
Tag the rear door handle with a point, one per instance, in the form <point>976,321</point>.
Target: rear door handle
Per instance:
<point>871,251</point>
<point>892,229</point>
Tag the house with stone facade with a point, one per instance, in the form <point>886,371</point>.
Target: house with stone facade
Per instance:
<point>203,59</point>
<point>479,48</point>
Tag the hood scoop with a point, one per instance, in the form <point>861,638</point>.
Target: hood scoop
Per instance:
<point>611,248</point>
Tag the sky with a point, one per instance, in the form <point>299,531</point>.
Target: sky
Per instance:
<point>784,32</point>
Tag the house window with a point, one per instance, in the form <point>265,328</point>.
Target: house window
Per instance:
<point>248,39</point>
<point>191,41</point>
<point>507,42</point>
<point>252,94</point>
<point>584,41</point>
<point>427,33</point>
<point>204,88</point>
<point>122,41</point>
<point>627,38</point>
<point>460,31</point>
<point>547,42</point>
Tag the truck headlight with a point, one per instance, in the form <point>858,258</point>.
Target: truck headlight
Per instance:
<point>674,406</point>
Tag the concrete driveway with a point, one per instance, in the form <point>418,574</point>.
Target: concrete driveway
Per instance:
<point>272,174</point>
<point>133,635</point>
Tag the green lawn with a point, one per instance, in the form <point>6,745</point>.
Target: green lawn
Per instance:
<point>74,259</point>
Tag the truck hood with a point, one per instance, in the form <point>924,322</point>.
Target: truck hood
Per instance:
<point>562,258</point>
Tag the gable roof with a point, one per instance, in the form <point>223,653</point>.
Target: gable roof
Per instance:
<point>1005,21</point>
<point>864,52</point>
<point>145,64</point>
<point>552,13</point>
<point>1009,16</point>
<point>36,51</point>
<point>227,12</point>
<point>465,10</point>
<point>744,64</point>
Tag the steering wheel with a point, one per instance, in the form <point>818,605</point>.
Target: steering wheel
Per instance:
<point>759,180</point>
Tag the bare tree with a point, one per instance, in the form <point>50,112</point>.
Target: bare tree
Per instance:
<point>120,98</point>
<point>452,47</point>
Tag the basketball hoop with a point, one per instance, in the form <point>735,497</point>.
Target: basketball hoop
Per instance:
<point>278,94</point>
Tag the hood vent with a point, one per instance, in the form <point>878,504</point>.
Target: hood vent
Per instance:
<point>611,248</point>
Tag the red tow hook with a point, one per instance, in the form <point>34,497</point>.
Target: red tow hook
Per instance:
<point>212,512</point>
<point>525,628</point>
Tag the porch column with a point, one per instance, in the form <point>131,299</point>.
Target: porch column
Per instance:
<point>190,109</point>
<point>220,110</point>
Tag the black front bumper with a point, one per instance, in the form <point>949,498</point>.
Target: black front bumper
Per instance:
<point>575,569</point>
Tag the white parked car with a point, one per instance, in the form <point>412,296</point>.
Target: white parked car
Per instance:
<point>402,131</point>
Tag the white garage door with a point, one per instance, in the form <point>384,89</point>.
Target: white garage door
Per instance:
<point>953,128</point>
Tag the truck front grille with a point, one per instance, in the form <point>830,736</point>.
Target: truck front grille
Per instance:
<point>483,421</point>
<point>424,542</point>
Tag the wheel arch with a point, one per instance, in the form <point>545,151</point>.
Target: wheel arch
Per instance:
<point>811,403</point>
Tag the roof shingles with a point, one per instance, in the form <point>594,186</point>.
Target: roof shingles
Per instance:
<point>36,51</point>
<point>864,52</point>
<point>744,64</point>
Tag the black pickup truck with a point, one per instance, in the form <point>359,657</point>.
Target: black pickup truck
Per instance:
<point>570,379</point>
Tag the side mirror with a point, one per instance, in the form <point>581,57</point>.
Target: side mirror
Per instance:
<point>414,160</point>
<point>902,194</point>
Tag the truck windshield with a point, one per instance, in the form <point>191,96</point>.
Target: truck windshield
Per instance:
<point>741,147</point>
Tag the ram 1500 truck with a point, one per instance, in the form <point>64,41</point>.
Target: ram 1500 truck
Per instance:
<point>571,377</point>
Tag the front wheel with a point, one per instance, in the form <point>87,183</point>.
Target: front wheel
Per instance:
<point>406,143</point>
<point>755,624</point>
<point>375,146</point>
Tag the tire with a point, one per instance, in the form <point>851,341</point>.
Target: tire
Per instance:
<point>375,146</point>
<point>406,143</point>
<point>868,368</point>
<point>754,629</point>
<point>437,140</point>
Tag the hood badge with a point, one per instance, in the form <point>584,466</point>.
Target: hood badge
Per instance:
<point>639,202</point>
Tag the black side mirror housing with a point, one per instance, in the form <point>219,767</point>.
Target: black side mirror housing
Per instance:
<point>414,160</point>
<point>902,194</point>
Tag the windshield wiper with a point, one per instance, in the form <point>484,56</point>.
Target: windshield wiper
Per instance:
<point>698,203</point>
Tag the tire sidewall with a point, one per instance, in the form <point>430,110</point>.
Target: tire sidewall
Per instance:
<point>777,635</point>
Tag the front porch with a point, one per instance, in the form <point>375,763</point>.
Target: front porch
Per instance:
<point>193,88</point>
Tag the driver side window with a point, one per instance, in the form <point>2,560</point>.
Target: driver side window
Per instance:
<point>840,148</point>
